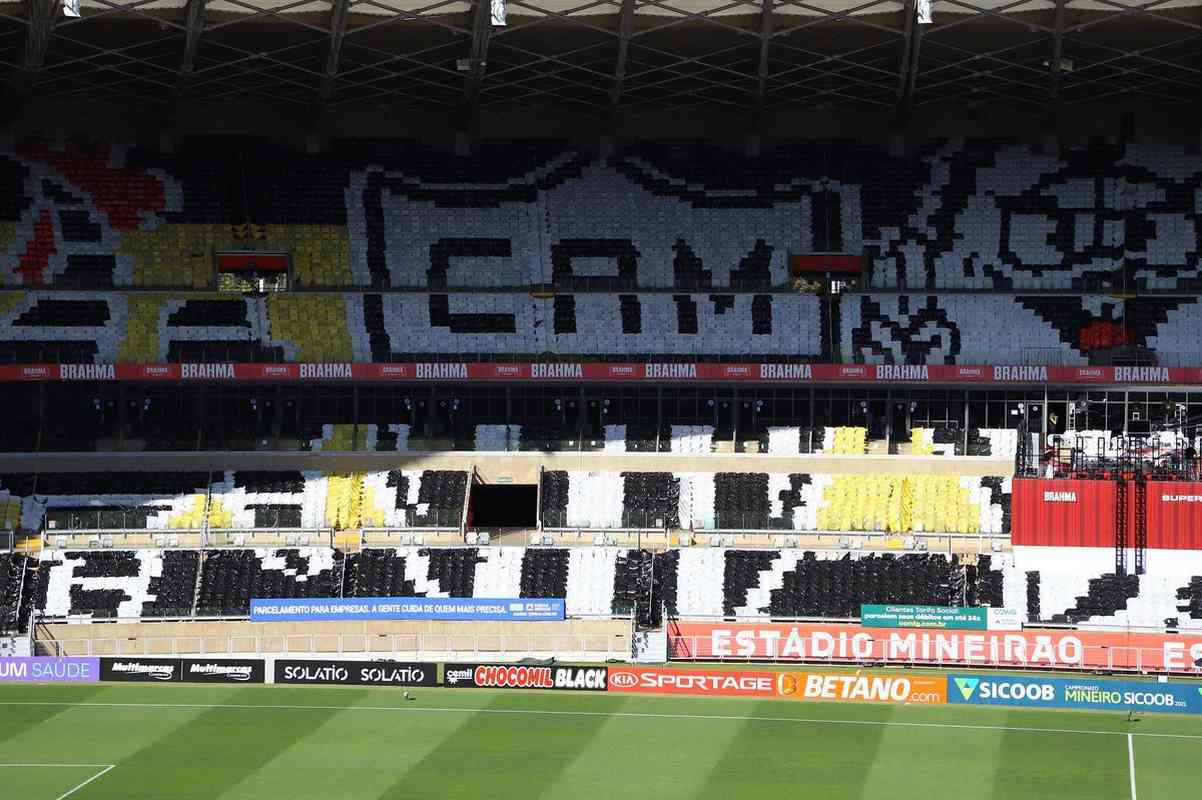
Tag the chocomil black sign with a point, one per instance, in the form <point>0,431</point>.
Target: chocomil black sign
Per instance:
<point>357,673</point>
<point>525,676</point>
<point>189,670</point>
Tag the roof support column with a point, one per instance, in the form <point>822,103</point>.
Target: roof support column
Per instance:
<point>469,122</point>
<point>43,16</point>
<point>1051,128</point>
<point>756,134</point>
<point>339,12</point>
<point>194,22</point>
<point>625,32</point>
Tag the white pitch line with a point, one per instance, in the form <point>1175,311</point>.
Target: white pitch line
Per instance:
<point>72,791</point>
<point>625,714</point>
<point>78,786</point>
<point>1131,763</point>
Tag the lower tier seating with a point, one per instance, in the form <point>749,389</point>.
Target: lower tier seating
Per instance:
<point>1078,585</point>
<point>764,501</point>
<point>12,579</point>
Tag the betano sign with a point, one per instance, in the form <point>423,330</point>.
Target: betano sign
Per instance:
<point>1030,648</point>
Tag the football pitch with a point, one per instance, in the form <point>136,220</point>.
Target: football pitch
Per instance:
<point>183,742</point>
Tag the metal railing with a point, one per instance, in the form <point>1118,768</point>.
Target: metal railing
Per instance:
<point>422,646</point>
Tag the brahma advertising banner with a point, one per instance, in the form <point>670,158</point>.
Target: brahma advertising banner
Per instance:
<point>1075,693</point>
<point>525,676</point>
<point>844,643</point>
<point>137,669</point>
<point>49,670</point>
<point>446,609</point>
<point>781,685</point>
<point>356,673</point>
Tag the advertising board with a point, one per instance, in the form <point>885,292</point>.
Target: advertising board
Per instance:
<point>845,643</point>
<point>50,670</point>
<point>904,616</point>
<point>136,669</point>
<point>1075,693</point>
<point>225,670</point>
<point>447,609</point>
<point>699,682</point>
<point>525,676</point>
<point>356,673</point>
<point>781,684</point>
<point>863,688</point>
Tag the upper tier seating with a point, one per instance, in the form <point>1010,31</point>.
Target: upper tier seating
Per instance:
<point>128,327</point>
<point>763,501</point>
<point>175,501</point>
<point>977,215</point>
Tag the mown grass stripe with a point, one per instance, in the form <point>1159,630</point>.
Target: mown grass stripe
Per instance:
<point>485,759</point>
<point>212,752</point>
<point>632,714</point>
<point>22,722</point>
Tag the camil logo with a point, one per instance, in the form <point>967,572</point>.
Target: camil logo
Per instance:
<point>1059,497</point>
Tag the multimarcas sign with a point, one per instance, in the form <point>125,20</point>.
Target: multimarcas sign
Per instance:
<point>136,669</point>
<point>1027,648</point>
<point>524,676</point>
<point>1078,693</point>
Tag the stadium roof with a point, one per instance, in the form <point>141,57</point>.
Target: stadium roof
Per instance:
<point>607,57</point>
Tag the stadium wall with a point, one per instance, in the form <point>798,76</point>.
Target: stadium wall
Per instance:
<point>595,640</point>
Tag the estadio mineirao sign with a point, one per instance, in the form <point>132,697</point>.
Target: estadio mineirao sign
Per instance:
<point>356,673</point>
<point>525,676</point>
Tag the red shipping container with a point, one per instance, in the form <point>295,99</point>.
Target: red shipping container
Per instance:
<point>1063,513</point>
<point>1174,515</point>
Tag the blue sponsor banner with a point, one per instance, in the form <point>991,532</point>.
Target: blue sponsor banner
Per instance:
<point>1078,693</point>
<point>439,608</point>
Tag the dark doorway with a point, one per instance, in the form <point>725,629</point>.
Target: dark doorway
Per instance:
<point>504,505</point>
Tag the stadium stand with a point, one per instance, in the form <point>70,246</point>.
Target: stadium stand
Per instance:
<point>953,215</point>
<point>177,501</point>
<point>763,501</point>
<point>116,327</point>
<point>12,578</point>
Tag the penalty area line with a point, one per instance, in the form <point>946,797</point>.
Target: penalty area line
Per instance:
<point>619,714</point>
<point>104,769</point>
<point>1131,763</point>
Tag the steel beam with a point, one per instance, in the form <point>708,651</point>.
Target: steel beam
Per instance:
<point>910,62</point>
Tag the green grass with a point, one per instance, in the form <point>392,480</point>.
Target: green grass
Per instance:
<point>305,743</point>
